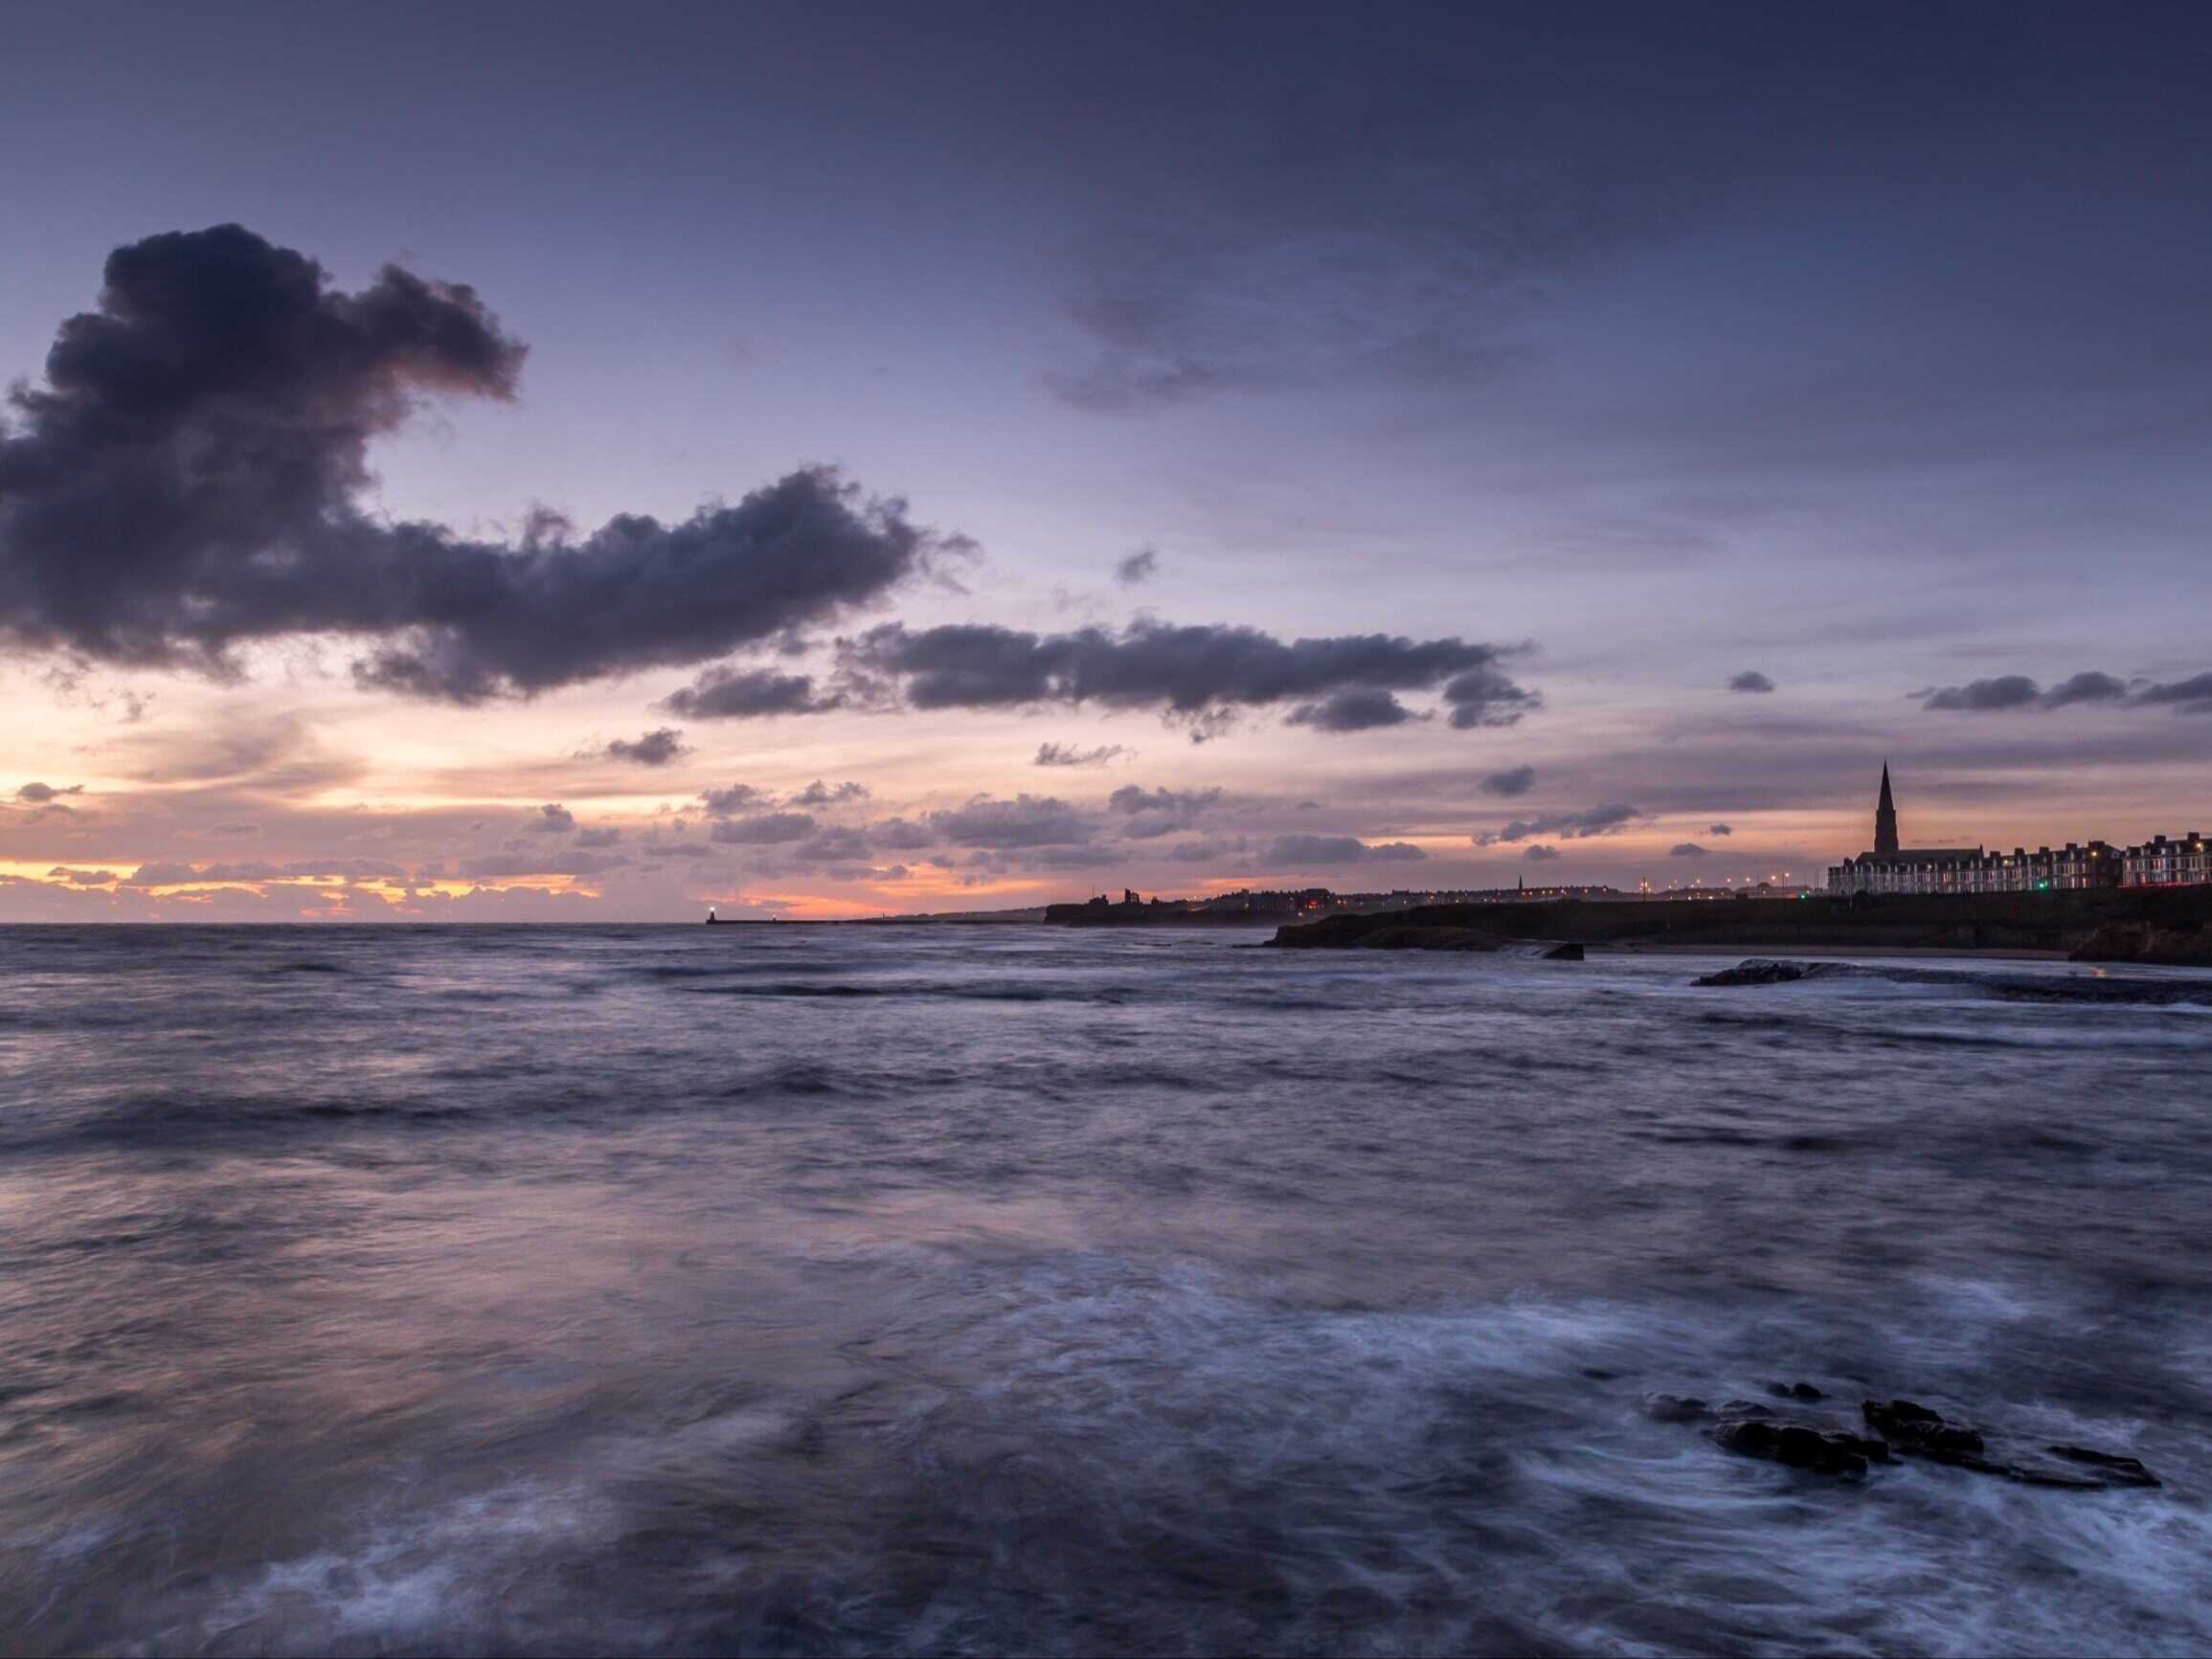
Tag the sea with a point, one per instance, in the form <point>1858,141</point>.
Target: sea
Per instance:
<point>991,1290</point>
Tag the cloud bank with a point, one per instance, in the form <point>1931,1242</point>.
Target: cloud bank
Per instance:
<point>1201,675</point>
<point>2010,692</point>
<point>192,476</point>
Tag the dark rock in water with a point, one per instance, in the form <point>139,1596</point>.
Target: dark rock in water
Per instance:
<point>1824,1445</point>
<point>2118,1470</point>
<point>1799,1445</point>
<point>1755,973</point>
<point>1567,952</point>
<point>1672,1408</point>
<point>1917,1431</point>
<point>1819,1445</point>
<point>1911,1427</point>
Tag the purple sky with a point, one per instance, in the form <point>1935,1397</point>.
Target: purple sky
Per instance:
<point>1180,449</point>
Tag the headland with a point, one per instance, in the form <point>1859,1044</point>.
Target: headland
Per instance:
<point>2148,925</point>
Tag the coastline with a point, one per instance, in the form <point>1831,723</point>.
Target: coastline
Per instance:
<point>2164,926</point>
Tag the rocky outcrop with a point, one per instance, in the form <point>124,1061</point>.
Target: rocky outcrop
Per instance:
<point>2150,942</point>
<point>1915,1431</point>
<point>1755,973</point>
<point>1919,1432</point>
<point>1430,939</point>
<point>2040,922</point>
<point>1749,1429</point>
<point>1801,1446</point>
<point>1903,1428</point>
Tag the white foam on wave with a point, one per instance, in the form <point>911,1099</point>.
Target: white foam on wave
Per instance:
<point>1580,1521</point>
<point>419,1577</point>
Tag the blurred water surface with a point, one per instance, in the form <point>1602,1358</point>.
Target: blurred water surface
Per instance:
<point>864,1289</point>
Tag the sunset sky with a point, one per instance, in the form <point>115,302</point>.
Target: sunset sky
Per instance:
<point>533,462</point>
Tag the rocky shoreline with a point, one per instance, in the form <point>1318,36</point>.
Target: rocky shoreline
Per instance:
<point>2168,926</point>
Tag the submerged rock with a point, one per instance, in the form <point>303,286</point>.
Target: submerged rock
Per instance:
<point>1755,973</point>
<point>1801,1446</point>
<point>1917,1431</point>
<point>1819,1445</point>
<point>1911,1427</point>
<point>2117,1470</point>
<point>1675,1408</point>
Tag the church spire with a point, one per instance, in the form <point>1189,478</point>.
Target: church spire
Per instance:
<point>1885,818</point>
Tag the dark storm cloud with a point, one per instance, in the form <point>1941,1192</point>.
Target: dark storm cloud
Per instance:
<point>1141,566</point>
<point>655,748</point>
<point>39,794</point>
<point>1201,673</point>
<point>1750,680</point>
<point>1069,754</point>
<point>2016,691</point>
<point>749,694</point>
<point>191,477</point>
<point>1513,781</point>
<point>1315,852</point>
<point>1357,708</point>
<point>1686,850</point>
<point>1596,820</point>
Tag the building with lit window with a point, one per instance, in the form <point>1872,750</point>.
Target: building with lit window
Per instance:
<point>1892,868</point>
<point>2159,862</point>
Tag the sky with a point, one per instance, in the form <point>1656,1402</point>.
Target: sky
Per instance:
<point>535,463</point>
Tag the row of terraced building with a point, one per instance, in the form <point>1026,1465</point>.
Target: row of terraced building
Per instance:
<point>1892,868</point>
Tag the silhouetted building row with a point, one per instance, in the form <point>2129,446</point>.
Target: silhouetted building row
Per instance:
<point>1892,868</point>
